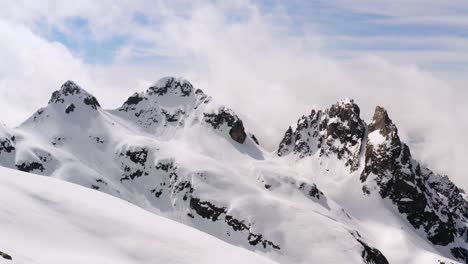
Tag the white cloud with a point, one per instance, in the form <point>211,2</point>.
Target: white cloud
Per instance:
<point>30,66</point>
<point>250,61</point>
<point>406,8</point>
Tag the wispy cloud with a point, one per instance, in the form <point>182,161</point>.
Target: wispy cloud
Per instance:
<point>267,60</point>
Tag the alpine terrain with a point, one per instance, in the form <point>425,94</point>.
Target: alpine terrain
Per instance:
<point>337,189</point>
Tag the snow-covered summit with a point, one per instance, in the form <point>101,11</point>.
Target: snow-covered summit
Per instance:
<point>374,153</point>
<point>70,94</point>
<point>173,103</point>
<point>175,152</point>
<point>71,104</point>
<point>171,85</point>
<point>167,92</point>
<point>336,131</point>
<point>431,203</point>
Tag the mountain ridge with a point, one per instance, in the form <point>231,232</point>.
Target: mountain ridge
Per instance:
<point>173,151</point>
<point>389,169</point>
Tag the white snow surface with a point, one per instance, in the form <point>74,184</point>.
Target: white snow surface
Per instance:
<point>97,148</point>
<point>46,221</point>
<point>376,138</point>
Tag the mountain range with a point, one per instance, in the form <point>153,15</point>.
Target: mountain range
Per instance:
<point>337,189</point>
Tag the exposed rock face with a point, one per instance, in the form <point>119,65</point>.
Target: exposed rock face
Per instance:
<point>71,92</point>
<point>227,118</point>
<point>7,147</point>
<point>432,204</point>
<point>30,167</point>
<point>214,213</point>
<point>133,163</point>
<point>5,256</point>
<point>7,144</point>
<point>166,85</point>
<point>172,186</point>
<point>371,255</point>
<point>429,202</point>
<point>336,131</point>
<point>237,132</point>
<point>171,101</point>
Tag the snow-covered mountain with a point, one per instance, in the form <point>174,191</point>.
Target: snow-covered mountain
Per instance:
<point>340,144</point>
<point>44,220</point>
<point>336,191</point>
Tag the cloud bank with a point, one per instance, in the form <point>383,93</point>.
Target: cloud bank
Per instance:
<point>258,62</point>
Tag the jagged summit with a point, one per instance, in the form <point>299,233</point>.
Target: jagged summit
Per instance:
<point>382,122</point>
<point>171,101</point>
<point>382,131</point>
<point>428,201</point>
<point>172,149</point>
<point>177,86</point>
<point>70,94</point>
<point>345,108</point>
<point>431,203</point>
<point>336,131</point>
<point>70,102</point>
<point>67,89</point>
<point>166,92</point>
<point>345,101</point>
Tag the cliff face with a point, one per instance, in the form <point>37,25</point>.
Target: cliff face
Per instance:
<point>337,131</point>
<point>430,203</point>
<point>175,152</point>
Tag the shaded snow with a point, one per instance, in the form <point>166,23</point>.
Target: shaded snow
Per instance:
<point>43,220</point>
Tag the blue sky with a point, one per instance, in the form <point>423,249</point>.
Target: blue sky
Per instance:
<point>347,32</point>
<point>269,60</point>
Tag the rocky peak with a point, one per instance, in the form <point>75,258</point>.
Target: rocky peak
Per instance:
<point>347,112</point>
<point>172,85</point>
<point>70,94</point>
<point>168,92</point>
<point>382,122</point>
<point>170,101</point>
<point>336,131</point>
<point>226,119</point>
<point>343,122</point>
<point>345,109</point>
<point>429,202</point>
<point>383,140</point>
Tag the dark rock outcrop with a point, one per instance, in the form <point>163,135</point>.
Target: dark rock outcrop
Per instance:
<point>30,166</point>
<point>337,131</point>
<point>429,202</point>
<point>70,108</point>
<point>173,85</point>
<point>71,90</point>
<point>237,132</point>
<point>214,213</point>
<point>7,144</point>
<point>228,118</point>
<point>133,163</point>
<point>176,185</point>
<point>5,256</point>
<point>371,255</point>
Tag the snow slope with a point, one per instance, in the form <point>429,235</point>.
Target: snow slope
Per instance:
<point>176,153</point>
<point>367,169</point>
<point>43,220</point>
